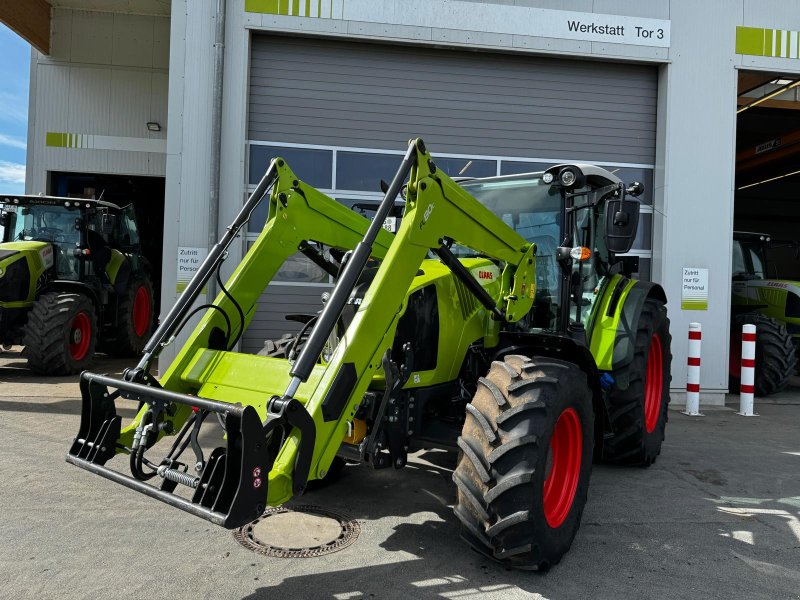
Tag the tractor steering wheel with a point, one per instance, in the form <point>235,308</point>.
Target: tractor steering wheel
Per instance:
<point>56,235</point>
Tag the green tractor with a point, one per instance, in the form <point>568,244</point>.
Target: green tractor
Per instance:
<point>496,321</point>
<point>772,305</point>
<point>72,280</point>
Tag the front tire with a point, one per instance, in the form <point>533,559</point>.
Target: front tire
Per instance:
<point>60,334</point>
<point>525,460</point>
<point>638,413</point>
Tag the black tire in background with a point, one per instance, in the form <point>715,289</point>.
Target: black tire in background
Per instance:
<point>776,361</point>
<point>135,319</point>
<point>638,413</point>
<point>515,503</point>
<point>60,334</point>
<point>278,348</point>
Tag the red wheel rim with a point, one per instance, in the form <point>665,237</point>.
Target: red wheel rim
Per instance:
<point>653,384</point>
<point>566,451</point>
<point>141,311</point>
<point>80,334</point>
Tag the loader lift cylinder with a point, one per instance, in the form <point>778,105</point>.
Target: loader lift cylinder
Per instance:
<point>184,303</point>
<point>352,271</point>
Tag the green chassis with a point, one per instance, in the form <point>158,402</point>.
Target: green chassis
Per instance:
<point>319,401</point>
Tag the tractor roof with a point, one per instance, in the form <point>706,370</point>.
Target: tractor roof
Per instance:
<point>596,175</point>
<point>740,235</point>
<point>31,200</point>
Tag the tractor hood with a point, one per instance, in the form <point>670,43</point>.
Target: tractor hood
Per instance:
<point>768,286</point>
<point>41,253</point>
<point>775,298</point>
<point>21,264</point>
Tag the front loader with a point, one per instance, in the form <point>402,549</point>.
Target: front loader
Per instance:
<point>497,321</point>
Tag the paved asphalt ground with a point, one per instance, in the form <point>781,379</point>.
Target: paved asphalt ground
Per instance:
<point>718,516</point>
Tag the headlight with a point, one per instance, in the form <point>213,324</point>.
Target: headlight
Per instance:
<point>567,177</point>
<point>547,178</point>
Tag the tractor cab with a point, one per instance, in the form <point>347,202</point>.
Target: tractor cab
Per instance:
<point>77,239</point>
<point>579,217</point>
<point>749,256</point>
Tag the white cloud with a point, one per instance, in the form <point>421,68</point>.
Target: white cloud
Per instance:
<point>11,141</point>
<point>11,172</point>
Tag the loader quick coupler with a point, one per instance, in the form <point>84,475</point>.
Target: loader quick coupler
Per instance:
<point>230,488</point>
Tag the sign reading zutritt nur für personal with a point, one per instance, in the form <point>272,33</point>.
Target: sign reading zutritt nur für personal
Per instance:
<point>694,289</point>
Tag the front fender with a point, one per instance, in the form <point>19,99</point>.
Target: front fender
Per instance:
<point>612,337</point>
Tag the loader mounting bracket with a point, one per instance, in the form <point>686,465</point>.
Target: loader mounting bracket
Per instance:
<point>291,411</point>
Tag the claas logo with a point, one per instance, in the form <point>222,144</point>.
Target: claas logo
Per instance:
<point>485,275</point>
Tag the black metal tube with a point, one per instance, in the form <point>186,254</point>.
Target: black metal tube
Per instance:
<point>352,271</point>
<point>460,271</point>
<point>314,256</point>
<point>143,392</point>
<point>148,490</point>
<point>184,303</point>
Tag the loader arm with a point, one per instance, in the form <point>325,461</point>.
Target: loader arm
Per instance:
<point>293,435</point>
<point>297,214</point>
<point>437,210</point>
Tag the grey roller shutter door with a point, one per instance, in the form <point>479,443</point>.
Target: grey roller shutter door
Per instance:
<point>315,91</point>
<point>351,94</point>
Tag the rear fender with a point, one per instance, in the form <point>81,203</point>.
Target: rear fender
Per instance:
<point>76,287</point>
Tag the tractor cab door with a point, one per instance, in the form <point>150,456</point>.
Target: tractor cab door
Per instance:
<point>586,222</point>
<point>127,232</point>
<point>749,260</point>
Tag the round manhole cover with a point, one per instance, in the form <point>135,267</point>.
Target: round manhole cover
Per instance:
<point>302,531</point>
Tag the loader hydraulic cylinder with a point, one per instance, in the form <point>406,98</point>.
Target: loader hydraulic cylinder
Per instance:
<point>352,271</point>
<point>184,303</point>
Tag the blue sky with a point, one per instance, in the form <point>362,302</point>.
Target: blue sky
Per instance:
<point>15,57</point>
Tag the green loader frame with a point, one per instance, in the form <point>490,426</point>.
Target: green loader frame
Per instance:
<point>594,382</point>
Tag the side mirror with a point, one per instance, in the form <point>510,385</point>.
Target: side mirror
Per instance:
<point>622,222</point>
<point>3,220</point>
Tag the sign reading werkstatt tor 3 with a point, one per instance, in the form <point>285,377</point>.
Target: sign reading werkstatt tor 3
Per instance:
<point>471,16</point>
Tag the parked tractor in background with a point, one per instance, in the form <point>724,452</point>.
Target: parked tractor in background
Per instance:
<point>72,280</point>
<point>773,306</point>
<point>497,320</point>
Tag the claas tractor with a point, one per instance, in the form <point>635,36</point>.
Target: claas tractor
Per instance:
<point>772,305</point>
<point>72,280</point>
<point>497,321</point>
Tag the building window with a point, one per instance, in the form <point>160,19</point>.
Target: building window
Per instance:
<point>353,175</point>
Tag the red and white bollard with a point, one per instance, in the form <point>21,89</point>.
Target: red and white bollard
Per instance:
<point>748,375</point>
<point>693,372</point>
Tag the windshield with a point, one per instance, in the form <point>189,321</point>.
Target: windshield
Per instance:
<point>535,211</point>
<point>529,206</point>
<point>45,223</point>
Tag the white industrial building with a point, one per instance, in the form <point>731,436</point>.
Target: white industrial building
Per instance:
<point>145,99</point>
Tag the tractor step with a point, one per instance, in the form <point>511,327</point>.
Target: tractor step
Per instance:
<point>231,490</point>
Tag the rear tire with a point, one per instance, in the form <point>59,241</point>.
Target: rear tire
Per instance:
<point>60,334</point>
<point>776,361</point>
<point>638,413</point>
<point>527,415</point>
<point>134,320</point>
<point>278,348</point>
